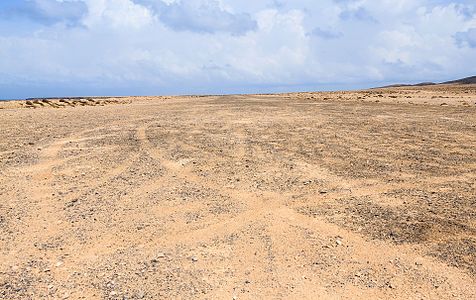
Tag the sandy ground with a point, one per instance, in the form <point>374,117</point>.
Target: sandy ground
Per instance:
<point>347,195</point>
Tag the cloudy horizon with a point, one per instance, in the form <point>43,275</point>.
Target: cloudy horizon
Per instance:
<point>157,47</point>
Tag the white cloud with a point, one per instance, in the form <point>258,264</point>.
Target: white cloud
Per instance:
<point>226,46</point>
<point>203,16</point>
<point>466,38</point>
<point>117,13</point>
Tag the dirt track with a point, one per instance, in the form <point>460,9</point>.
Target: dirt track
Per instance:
<point>301,196</point>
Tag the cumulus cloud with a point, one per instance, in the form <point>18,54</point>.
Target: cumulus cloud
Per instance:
<point>359,14</point>
<point>201,16</point>
<point>45,11</point>
<point>466,38</point>
<point>117,14</point>
<point>220,46</point>
<point>327,34</point>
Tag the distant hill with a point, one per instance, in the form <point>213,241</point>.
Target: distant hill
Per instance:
<point>467,80</point>
<point>404,85</point>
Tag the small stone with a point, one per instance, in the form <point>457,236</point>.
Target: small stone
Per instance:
<point>194,258</point>
<point>59,264</point>
<point>113,293</point>
<point>338,242</point>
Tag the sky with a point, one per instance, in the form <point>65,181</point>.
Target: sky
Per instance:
<point>162,47</point>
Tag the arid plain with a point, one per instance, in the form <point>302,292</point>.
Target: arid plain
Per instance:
<point>344,195</point>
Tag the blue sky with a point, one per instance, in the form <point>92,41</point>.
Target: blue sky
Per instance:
<point>141,47</point>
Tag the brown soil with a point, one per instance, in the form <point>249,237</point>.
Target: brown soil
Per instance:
<point>345,195</point>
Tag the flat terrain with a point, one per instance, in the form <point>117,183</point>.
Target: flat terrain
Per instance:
<point>346,195</point>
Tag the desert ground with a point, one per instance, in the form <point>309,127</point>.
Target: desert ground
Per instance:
<point>344,195</point>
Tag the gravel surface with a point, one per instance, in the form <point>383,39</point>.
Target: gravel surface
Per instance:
<point>345,195</point>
